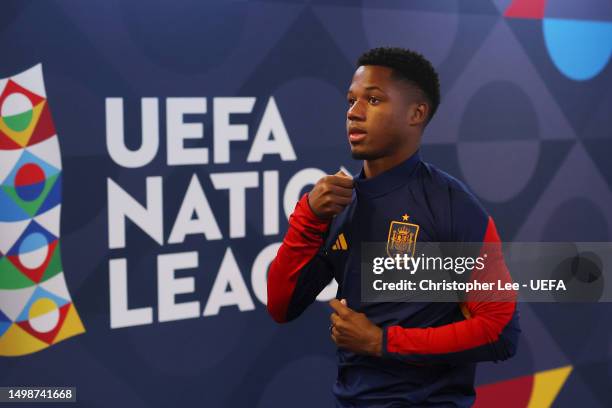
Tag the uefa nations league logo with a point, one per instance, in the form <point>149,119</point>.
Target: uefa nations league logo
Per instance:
<point>36,309</point>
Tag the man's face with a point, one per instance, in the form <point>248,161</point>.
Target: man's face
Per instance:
<point>378,113</point>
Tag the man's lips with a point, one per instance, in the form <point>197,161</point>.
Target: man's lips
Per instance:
<point>356,135</point>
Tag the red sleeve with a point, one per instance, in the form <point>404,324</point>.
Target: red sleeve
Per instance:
<point>489,331</point>
<point>301,244</point>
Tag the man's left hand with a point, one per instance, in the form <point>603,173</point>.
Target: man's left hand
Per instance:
<point>354,331</point>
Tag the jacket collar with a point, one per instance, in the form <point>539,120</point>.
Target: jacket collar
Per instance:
<point>388,180</point>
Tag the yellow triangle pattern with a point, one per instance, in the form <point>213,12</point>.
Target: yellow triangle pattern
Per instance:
<point>17,342</point>
<point>546,386</point>
<point>71,327</point>
<point>22,138</point>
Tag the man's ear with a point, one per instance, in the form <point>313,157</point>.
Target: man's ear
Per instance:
<point>419,113</point>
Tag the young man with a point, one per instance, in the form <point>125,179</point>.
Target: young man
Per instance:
<point>391,354</point>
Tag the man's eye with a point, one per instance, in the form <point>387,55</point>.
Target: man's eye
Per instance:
<point>351,101</point>
<point>373,100</point>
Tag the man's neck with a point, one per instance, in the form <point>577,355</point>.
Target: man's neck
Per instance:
<point>373,168</point>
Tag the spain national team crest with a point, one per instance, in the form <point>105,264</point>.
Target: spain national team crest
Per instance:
<point>402,237</point>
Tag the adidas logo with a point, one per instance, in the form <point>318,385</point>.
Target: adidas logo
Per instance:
<point>340,244</point>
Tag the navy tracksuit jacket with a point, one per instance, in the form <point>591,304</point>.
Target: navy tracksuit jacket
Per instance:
<point>429,349</point>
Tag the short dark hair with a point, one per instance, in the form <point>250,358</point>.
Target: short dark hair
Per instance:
<point>409,66</point>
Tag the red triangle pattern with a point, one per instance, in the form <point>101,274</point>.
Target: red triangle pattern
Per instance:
<point>505,394</point>
<point>12,87</point>
<point>44,128</point>
<point>526,9</point>
<point>34,274</point>
<point>50,335</point>
<point>6,143</point>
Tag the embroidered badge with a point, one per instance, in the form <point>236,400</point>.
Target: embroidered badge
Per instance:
<point>402,237</point>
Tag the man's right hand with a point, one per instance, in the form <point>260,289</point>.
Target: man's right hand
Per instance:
<point>331,194</point>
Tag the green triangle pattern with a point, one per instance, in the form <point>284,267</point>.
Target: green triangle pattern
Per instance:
<point>31,207</point>
<point>11,277</point>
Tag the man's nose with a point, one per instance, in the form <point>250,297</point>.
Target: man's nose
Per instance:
<point>356,112</point>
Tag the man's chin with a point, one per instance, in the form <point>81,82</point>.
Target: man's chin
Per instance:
<point>357,155</point>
